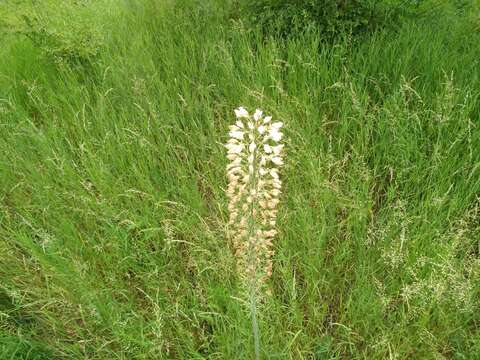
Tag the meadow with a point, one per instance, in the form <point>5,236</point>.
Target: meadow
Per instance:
<point>113,214</point>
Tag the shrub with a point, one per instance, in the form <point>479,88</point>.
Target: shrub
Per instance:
<point>328,17</point>
<point>66,31</point>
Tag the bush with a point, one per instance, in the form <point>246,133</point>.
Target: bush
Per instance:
<point>70,32</point>
<point>329,17</point>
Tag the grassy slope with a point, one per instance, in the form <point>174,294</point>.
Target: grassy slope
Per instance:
<point>112,208</point>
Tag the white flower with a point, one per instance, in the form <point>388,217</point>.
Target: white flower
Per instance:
<point>237,161</point>
<point>276,192</point>
<point>277,149</point>
<point>234,170</point>
<point>234,148</point>
<point>274,173</point>
<point>233,178</point>
<point>258,114</point>
<point>270,233</point>
<point>241,112</point>
<point>276,183</point>
<point>254,190</point>
<point>272,204</point>
<point>234,166</point>
<point>263,160</point>
<point>275,135</point>
<point>236,134</point>
<point>232,141</point>
<point>277,160</point>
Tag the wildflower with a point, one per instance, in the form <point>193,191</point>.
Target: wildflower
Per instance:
<point>254,189</point>
<point>241,112</point>
<point>235,134</point>
<point>254,184</point>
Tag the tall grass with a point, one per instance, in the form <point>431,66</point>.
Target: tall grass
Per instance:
<point>112,191</point>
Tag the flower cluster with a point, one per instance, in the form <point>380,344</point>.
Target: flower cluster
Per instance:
<point>254,187</point>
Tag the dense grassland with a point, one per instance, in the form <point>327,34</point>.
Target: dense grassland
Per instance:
<point>112,178</point>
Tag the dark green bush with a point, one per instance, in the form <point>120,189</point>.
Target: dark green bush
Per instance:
<point>329,17</point>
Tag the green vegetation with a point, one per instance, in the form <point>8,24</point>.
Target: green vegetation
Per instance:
<point>112,176</point>
<point>329,18</point>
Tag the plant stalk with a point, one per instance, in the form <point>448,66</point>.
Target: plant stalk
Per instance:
<point>256,333</point>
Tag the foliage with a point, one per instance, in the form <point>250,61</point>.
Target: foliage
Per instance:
<point>16,348</point>
<point>113,210</point>
<point>330,18</point>
<point>69,32</point>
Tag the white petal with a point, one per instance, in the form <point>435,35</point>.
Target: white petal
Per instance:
<point>277,160</point>
<point>277,149</point>
<point>250,125</point>
<point>239,124</point>
<point>263,161</point>
<point>267,148</point>
<point>276,183</point>
<point>236,134</point>
<point>267,119</point>
<point>275,135</point>
<point>235,149</point>
<point>261,129</point>
<point>241,112</point>
<point>252,147</point>
<point>232,145</point>
<point>275,192</point>
<point>258,114</point>
<point>237,161</point>
<point>277,125</point>
<point>234,170</point>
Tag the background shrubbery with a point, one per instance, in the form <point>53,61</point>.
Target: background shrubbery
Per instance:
<point>330,18</point>
<point>69,32</point>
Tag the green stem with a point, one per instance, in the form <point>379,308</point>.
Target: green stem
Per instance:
<point>256,332</point>
<point>253,262</point>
